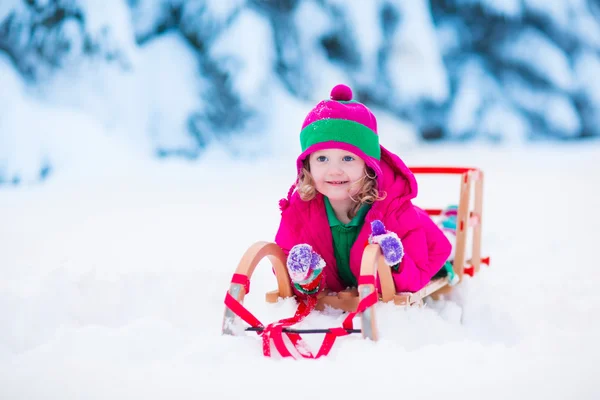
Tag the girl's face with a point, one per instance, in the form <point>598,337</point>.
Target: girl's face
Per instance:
<point>334,171</point>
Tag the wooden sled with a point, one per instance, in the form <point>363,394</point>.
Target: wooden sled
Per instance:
<point>373,267</point>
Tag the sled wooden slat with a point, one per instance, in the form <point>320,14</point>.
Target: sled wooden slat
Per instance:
<point>255,254</point>
<point>478,210</point>
<point>410,298</point>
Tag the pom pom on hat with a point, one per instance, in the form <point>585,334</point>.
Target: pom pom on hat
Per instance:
<point>341,93</point>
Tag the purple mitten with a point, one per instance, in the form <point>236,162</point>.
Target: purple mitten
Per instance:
<point>390,243</point>
<point>304,265</point>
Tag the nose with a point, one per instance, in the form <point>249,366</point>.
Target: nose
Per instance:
<point>335,169</point>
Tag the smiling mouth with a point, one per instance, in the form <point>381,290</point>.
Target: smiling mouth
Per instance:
<point>337,182</point>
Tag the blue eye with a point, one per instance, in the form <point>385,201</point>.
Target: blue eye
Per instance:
<point>348,158</point>
<point>321,158</point>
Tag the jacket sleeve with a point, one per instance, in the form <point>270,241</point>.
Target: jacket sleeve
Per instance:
<point>426,249</point>
<point>284,237</point>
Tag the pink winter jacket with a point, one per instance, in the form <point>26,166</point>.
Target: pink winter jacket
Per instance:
<point>426,248</point>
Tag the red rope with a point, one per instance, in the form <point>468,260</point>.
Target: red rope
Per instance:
<point>242,312</point>
<point>274,331</point>
<point>333,333</point>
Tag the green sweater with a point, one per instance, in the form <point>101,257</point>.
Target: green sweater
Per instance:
<point>344,236</point>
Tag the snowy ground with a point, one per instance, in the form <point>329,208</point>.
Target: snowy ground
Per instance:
<point>113,288</point>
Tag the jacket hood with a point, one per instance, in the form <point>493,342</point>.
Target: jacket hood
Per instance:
<point>399,185</point>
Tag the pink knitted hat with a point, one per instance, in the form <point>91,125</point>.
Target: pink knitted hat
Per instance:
<point>341,123</point>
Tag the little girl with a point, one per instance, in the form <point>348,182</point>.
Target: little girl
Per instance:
<point>350,191</point>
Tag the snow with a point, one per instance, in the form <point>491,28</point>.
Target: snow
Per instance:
<point>448,36</point>
<point>207,18</point>
<point>309,53</point>
<point>466,108</point>
<point>36,135</point>
<point>559,12</point>
<point>246,53</point>
<point>221,10</point>
<point>557,110</point>
<point>115,275</point>
<point>114,288</point>
<point>145,15</point>
<point>587,65</point>
<point>114,97</point>
<point>167,69</point>
<point>502,122</point>
<point>146,107</point>
<point>415,66</point>
<point>533,49</point>
<point>509,8</point>
<point>7,6</point>
<point>481,107</point>
<point>576,16</point>
<point>588,28</point>
<point>363,17</point>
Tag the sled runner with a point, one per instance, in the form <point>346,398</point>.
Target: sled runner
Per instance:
<point>358,301</point>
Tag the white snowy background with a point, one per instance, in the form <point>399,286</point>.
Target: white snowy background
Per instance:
<point>114,269</point>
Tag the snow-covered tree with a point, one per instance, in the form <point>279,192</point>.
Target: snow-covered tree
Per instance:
<point>174,76</point>
<point>531,59</point>
<point>43,36</point>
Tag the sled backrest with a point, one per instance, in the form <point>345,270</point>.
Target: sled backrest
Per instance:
<point>471,184</point>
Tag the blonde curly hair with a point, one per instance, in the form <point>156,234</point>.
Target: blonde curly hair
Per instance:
<point>367,193</point>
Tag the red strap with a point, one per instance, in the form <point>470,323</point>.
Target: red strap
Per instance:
<point>266,345</point>
<point>333,333</point>
<point>365,303</point>
<point>327,345</point>
<point>274,330</point>
<point>242,280</point>
<point>366,280</point>
<point>329,340</point>
<point>241,311</point>
<point>236,306</point>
